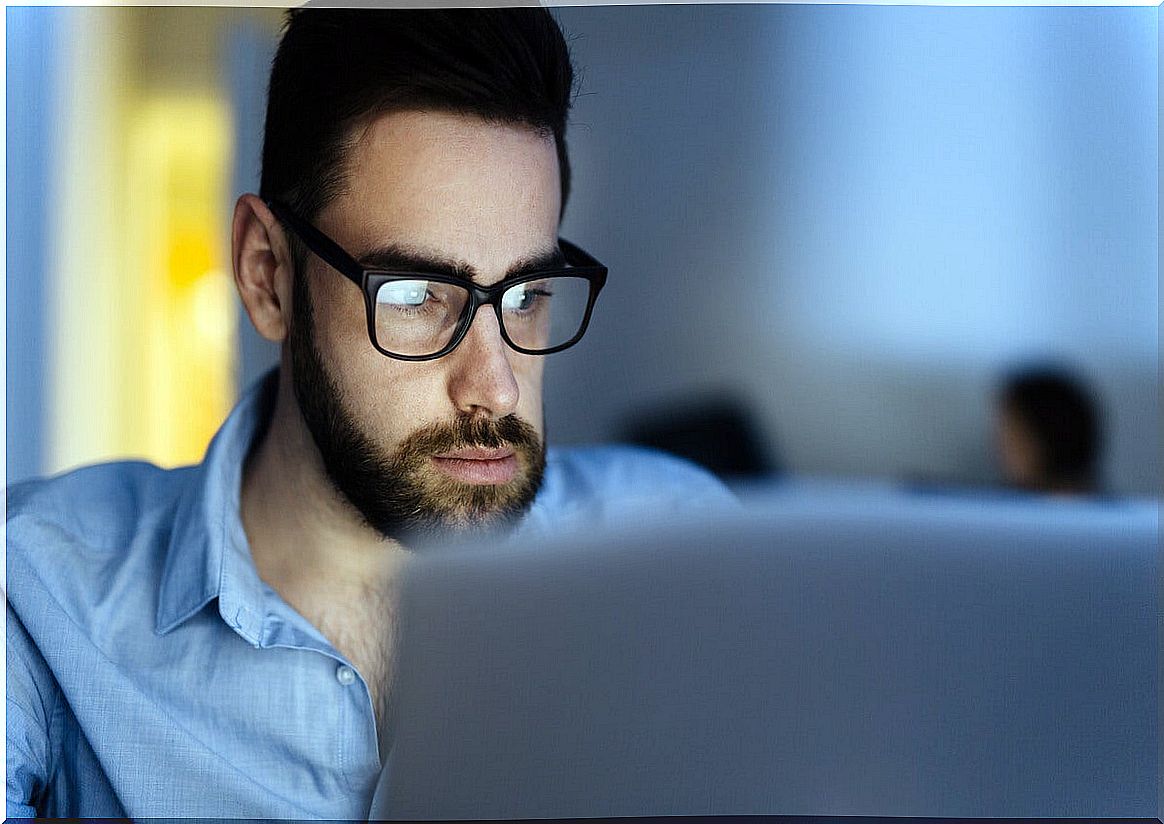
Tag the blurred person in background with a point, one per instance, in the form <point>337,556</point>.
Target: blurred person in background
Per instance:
<point>218,640</point>
<point>1048,434</point>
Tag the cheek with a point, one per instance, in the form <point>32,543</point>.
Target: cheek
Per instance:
<point>339,316</point>
<point>388,399</point>
<point>528,371</point>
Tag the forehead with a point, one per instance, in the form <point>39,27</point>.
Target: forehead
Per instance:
<point>453,186</point>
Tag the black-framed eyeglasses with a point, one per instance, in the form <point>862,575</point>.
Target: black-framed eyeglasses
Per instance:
<point>416,316</point>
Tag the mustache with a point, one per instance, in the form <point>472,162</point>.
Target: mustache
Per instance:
<point>466,433</point>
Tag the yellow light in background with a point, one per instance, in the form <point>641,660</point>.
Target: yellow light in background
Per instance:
<point>143,308</point>
<point>144,314</point>
<point>176,195</point>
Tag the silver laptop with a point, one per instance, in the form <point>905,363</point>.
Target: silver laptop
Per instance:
<point>877,655</point>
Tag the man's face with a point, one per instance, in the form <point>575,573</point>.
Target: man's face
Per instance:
<point>457,442</point>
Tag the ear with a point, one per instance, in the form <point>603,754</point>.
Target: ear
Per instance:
<point>262,267</point>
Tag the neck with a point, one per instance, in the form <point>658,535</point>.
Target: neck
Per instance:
<point>308,543</point>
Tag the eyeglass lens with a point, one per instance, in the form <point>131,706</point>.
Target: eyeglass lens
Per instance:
<point>420,317</point>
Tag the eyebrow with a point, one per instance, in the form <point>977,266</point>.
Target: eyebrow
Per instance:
<point>405,259</point>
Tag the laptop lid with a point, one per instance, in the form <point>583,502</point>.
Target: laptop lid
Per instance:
<point>894,656</point>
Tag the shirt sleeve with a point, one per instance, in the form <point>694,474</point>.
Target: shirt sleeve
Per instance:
<point>31,696</point>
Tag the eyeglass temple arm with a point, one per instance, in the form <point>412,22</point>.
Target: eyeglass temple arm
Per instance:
<point>320,244</point>
<point>575,256</point>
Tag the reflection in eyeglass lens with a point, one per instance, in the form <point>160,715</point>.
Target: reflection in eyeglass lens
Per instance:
<point>417,317</point>
<point>542,314</point>
<point>403,292</point>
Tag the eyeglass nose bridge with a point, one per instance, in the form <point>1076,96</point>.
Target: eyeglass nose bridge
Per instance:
<point>480,296</point>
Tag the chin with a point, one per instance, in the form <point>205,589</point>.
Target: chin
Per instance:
<point>471,505</point>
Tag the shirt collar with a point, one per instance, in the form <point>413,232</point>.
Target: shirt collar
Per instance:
<point>208,555</point>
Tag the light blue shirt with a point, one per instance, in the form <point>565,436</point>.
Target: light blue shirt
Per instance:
<point>152,673</point>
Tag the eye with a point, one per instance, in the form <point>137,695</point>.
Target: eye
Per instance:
<point>403,292</point>
<point>524,297</point>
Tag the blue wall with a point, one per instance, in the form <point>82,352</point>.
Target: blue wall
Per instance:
<point>858,217</point>
<point>31,79</point>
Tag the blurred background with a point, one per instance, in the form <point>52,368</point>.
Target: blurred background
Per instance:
<point>832,231</point>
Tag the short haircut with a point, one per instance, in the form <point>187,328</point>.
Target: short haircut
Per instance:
<point>1061,415</point>
<point>337,69</point>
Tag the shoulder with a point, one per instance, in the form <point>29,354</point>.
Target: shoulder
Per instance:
<point>103,505</point>
<point>71,537</point>
<point>616,482</point>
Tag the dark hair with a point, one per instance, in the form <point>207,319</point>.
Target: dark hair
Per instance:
<point>336,69</point>
<point>1062,417</point>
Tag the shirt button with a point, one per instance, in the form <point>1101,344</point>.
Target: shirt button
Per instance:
<point>345,675</point>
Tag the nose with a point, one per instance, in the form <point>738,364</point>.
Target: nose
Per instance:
<point>481,380</point>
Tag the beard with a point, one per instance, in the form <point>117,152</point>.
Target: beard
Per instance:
<point>400,494</point>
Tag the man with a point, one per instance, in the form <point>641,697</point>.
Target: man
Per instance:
<point>1048,433</point>
<point>217,640</point>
